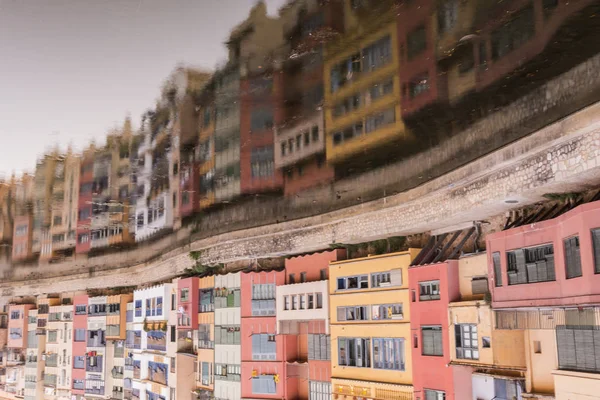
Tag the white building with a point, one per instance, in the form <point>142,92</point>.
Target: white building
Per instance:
<point>228,351</point>
<point>301,302</point>
<point>34,359</point>
<point>95,360</point>
<point>59,350</point>
<point>154,205</point>
<point>151,363</point>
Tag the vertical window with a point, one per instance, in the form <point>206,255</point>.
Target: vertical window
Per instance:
<point>432,341</point>
<point>596,247</point>
<point>466,341</point>
<point>323,274</point>
<point>416,42</point>
<point>302,276</point>
<point>319,300</point>
<point>447,15</point>
<point>434,395</point>
<point>354,352</point>
<point>497,269</point>
<point>429,290</point>
<point>292,278</point>
<point>572,257</point>
<point>388,354</point>
<point>388,278</point>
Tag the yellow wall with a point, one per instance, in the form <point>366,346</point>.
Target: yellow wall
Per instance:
<point>469,267</point>
<point>381,136</point>
<point>571,385</point>
<point>370,328</point>
<point>507,346</point>
<point>392,330</point>
<point>348,389</point>
<point>540,366</point>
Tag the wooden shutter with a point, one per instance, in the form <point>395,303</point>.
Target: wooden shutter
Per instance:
<point>428,346</point>
<point>396,277</point>
<point>479,285</point>
<point>566,349</point>
<point>437,342</point>
<point>497,269</point>
<point>596,246</point>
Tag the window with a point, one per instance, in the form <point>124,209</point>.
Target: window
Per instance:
<point>264,385</point>
<point>353,313</point>
<point>138,308</point>
<point>286,302</point>
<point>377,55</point>
<point>315,133</point>
<point>353,282</point>
<point>432,341</point>
<point>185,295</point>
<point>263,347</point>
<point>283,148</point>
<point>418,85</point>
<point>78,362</point>
<point>534,264</point>
<point>15,315</point>
<point>376,121</point>
<point>310,298</point>
<point>486,342</point>
<point>572,257</point>
<point>292,278</point>
<point>79,335</point>
<point>537,347</point>
<point>261,162</point>
<point>429,290</point>
<point>323,274</point>
<point>596,248</point>
<point>261,119</point>
<point>507,389</point>
<point>227,335</point>
<point>52,336</point>
<point>497,269</point>
<point>514,33</point>
<point>388,353</point>
<point>466,341</point>
<point>388,278</point>
<point>140,220</point>
<point>434,395</point>
<point>416,42</point>
<point>319,347</point>
<point>354,352</point>
<point>387,311</point>
<point>447,15</point>
<point>576,349</point>
<point>319,300</point>
<point>78,384</point>
<point>80,309</point>
<point>479,285</point>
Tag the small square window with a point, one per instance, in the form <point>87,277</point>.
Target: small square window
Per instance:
<point>486,342</point>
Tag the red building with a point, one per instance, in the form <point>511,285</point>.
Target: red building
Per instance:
<point>549,263</point>
<point>80,303</point>
<point>263,351</point>
<point>187,303</point>
<point>299,119</point>
<point>303,319</point>
<point>84,214</point>
<point>258,102</point>
<point>433,287</point>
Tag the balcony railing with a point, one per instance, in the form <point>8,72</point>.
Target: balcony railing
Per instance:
<point>95,390</point>
<point>50,380</point>
<point>52,360</point>
<point>210,307</point>
<point>117,395</point>
<point>31,361</point>
<point>206,344</point>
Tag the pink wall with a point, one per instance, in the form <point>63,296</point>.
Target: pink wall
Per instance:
<point>265,367</point>
<point>255,278</point>
<point>312,264</point>
<point>79,348</point>
<point>463,381</point>
<point>20,323</point>
<point>191,306</point>
<point>584,289</point>
<point>432,372</point>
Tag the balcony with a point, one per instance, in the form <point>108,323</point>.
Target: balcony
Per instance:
<point>206,344</point>
<point>117,372</point>
<point>117,394</point>
<point>302,302</point>
<point>50,380</point>
<point>99,390</point>
<point>52,360</point>
<point>15,359</point>
<point>312,141</point>
<point>31,361</point>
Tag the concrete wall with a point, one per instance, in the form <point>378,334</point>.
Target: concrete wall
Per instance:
<point>570,385</point>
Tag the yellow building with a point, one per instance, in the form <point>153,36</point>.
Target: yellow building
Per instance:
<point>206,152</point>
<point>370,327</point>
<point>362,86</point>
<point>65,197</point>
<point>494,360</point>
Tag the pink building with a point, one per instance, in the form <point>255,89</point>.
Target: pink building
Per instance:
<point>432,287</point>
<point>187,303</point>
<point>263,351</point>
<point>550,263</point>
<point>17,325</point>
<point>303,320</point>
<point>79,345</point>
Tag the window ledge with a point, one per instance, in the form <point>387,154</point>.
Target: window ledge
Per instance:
<point>576,374</point>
